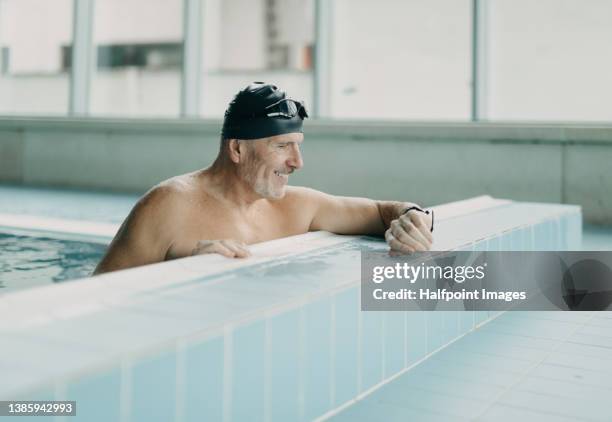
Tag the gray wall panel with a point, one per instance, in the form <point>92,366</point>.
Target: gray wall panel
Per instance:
<point>588,181</point>
<point>11,156</point>
<point>428,163</point>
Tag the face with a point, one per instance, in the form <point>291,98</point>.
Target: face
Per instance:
<point>269,162</point>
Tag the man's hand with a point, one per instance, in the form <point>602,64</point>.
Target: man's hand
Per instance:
<point>228,247</point>
<point>410,233</point>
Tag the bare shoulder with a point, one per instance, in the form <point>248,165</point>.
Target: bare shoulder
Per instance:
<point>147,232</point>
<point>169,193</point>
<point>162,204</point>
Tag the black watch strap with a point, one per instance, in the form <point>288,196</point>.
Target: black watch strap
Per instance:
<point>423,211</point>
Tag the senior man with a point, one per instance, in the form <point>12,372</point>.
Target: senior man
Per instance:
<point>243,197</point>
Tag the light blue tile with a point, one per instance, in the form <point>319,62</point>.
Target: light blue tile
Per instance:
<point>501,413</point>
<point>453,406</point>
<point>491,330</point>
<point>597,330</point>
<point>248,372</point>
<point>395,350</point>
<point>549,229</point>
<point>516,240</point>
<point>284,372</point>
<point>480,245</point>
<point>468,388</point>
<point>570,374</point>
<point>92,390</point>
<point>585,350</point>
<point>603,365</point>
<point>153,388</point>
<point>435,330</point>
<point>466,321</point>
<point>346,306</point>
<point>496,313</point>
<point>542,329</point>
<point>493,244</point>
<point>451,325</point>
<point>468,359</point>
<point>563,233</point>
<point>371,349</point>
<point>575,232</point>
<point>584,407</point>
<point>481,316</point>
<point>317,358</point>
<point>528,238</point>
<point>556,235</point>
<point>566,390</point>
<point>539,237</point>
<point>506,241</point>
<point>569,317</point>
<point>416,331</point>
<point>374,411</point>
<point>452,370</point>
<point>497,346</point>
<point>203,388</point>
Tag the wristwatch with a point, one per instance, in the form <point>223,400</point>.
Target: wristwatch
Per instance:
<point>423,211</point>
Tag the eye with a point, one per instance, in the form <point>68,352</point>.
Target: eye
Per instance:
<point>282,145</point>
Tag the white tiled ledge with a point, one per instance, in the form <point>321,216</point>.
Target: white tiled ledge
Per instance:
<point>42,305</point>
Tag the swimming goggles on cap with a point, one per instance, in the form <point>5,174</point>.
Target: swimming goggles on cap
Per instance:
<point>284,108</point>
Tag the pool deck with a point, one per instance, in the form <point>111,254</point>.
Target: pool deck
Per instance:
<point>529,366</point>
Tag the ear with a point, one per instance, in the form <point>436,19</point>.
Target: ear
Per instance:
<point>235,150</point>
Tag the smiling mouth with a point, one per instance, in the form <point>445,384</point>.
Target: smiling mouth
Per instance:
<point>279,174</point>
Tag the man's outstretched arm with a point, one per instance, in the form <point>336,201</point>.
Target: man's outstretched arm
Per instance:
<point>407,232</point>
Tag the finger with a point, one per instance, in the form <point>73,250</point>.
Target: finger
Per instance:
<point>423,223</point>
<point>243,246</point>
<point>208,247</point>
<point>204,243</point>
<point>220,248</point>
<point>415,227</point>
<point>406,232</point>
<point>396,245</point>
<point>242,249</point>
<point>409,241</point>
<point>239,251</point>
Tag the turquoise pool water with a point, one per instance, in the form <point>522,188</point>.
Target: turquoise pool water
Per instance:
<point>29,261</point>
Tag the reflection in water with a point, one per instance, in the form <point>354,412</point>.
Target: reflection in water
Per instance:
<point>337,264</point>
<point>32,261</point>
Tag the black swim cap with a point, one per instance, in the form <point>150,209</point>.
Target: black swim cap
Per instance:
<point>261,110</point>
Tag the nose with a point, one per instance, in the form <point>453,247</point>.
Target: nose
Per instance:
<point>295,161</point>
